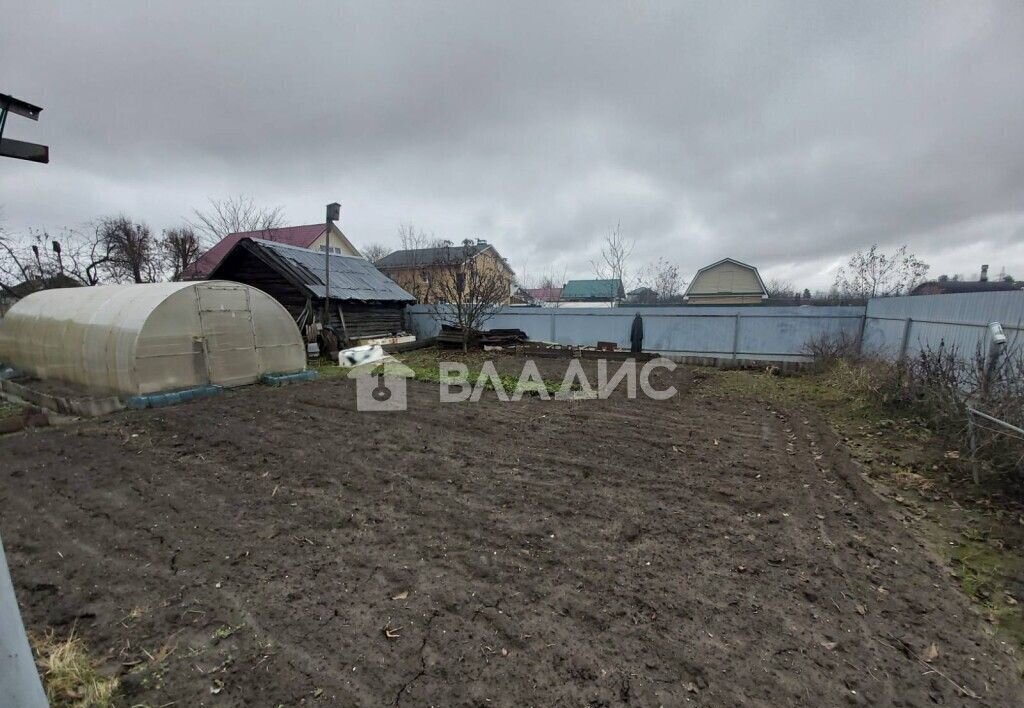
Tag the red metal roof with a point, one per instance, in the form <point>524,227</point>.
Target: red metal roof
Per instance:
<point>545,294</point>
<point>301,236</point>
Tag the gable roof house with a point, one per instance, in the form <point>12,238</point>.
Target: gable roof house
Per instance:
<point>726,282</point>
<point>311,236</point>
<point>416,269</point>
<point>593,293</point>
<point>365,304</point>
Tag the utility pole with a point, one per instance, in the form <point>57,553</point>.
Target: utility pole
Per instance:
<point>333,213</point>
<point>19,681</point>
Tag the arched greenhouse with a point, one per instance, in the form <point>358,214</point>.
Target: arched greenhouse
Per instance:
<point>140,339</point>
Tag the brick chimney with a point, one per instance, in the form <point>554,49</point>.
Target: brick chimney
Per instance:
<point>984,274</point>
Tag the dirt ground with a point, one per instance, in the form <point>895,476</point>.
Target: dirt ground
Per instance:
<point>274,546</point>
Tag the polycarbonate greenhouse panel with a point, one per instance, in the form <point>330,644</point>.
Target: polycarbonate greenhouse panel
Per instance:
<point>137,339</point>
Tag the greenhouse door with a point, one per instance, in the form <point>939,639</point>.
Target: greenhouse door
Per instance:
<point>228,334</point>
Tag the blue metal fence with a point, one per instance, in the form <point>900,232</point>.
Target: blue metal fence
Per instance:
<point>904,326</point>
<point>889,327</point>
<point>719,332</point>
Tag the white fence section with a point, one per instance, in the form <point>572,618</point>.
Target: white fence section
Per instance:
<point>726,332</point>
<point>904,326</point>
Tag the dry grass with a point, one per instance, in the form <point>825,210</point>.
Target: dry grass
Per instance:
<point>69,673</point>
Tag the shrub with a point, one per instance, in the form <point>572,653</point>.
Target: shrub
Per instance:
<point>939,385</point>
<point>826,349</point>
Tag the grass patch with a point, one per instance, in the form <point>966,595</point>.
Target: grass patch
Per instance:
<point>986,572</point>
<point>8,409</point>
<point>426,366</point>
<point>70,676</point>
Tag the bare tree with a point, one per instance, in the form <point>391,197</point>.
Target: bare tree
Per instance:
<point>375,252</point>
<point>133,251</point>
<point>48,261</point>
<point>18,264</point>
<point>469,287</point>
<point>781,289</point>
<point>665,279</point>
<point>614,261</point>
<point>179,248</point>
<point>233,215</point>
<point>419,260</point>
<point>873,273</point>
<point>411,238</point>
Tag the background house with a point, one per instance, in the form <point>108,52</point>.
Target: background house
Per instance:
<point>726,282</point>
<point>417,270</point>
<point>365,304</point>
<point>11,295</point>
<point>311,236</point>
<point>642,296</point>
<point>947,286</point>
<point>592,293</point>
<point>546,297</point>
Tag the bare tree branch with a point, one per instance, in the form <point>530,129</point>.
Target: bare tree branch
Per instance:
<point>614,261</point>
<point>375,252</point>
<point>873,273</point>
<point>179,248</point>
<point>132,250</point>
<point>233,215</point>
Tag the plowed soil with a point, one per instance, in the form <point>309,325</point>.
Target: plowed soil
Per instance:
<point>274,546</point>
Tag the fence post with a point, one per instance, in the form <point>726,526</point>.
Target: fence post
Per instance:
<point>554,335</point>
<point>906,338</point>
<point>736,338</point>
<point>19,681</point>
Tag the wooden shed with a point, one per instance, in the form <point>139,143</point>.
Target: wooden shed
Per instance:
<point>365,303</point>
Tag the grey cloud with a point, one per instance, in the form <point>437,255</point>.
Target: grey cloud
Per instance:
<point>784,134</point>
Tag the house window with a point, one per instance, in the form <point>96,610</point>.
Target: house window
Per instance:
<point>334,249</point>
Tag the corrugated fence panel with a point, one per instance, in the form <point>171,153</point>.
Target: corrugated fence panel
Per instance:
<point>771,333</point>
<point>892,325</point>
<point>912,324</point>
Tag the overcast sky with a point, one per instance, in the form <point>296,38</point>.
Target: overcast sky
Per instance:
<point>784,135</point>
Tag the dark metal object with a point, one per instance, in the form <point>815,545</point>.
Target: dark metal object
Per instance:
<point>16,148</point>
<point>19,107</point>
<point>20,150</point>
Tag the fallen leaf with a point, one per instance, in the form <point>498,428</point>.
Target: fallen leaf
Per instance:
<point>930,654</point>
<point>391,632</point>
<point>401,595</point>
<point>861,610</point>
<point>829,646</point>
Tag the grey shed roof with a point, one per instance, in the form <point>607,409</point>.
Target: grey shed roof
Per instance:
<point>415,257</point>
<point>352,278</point>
